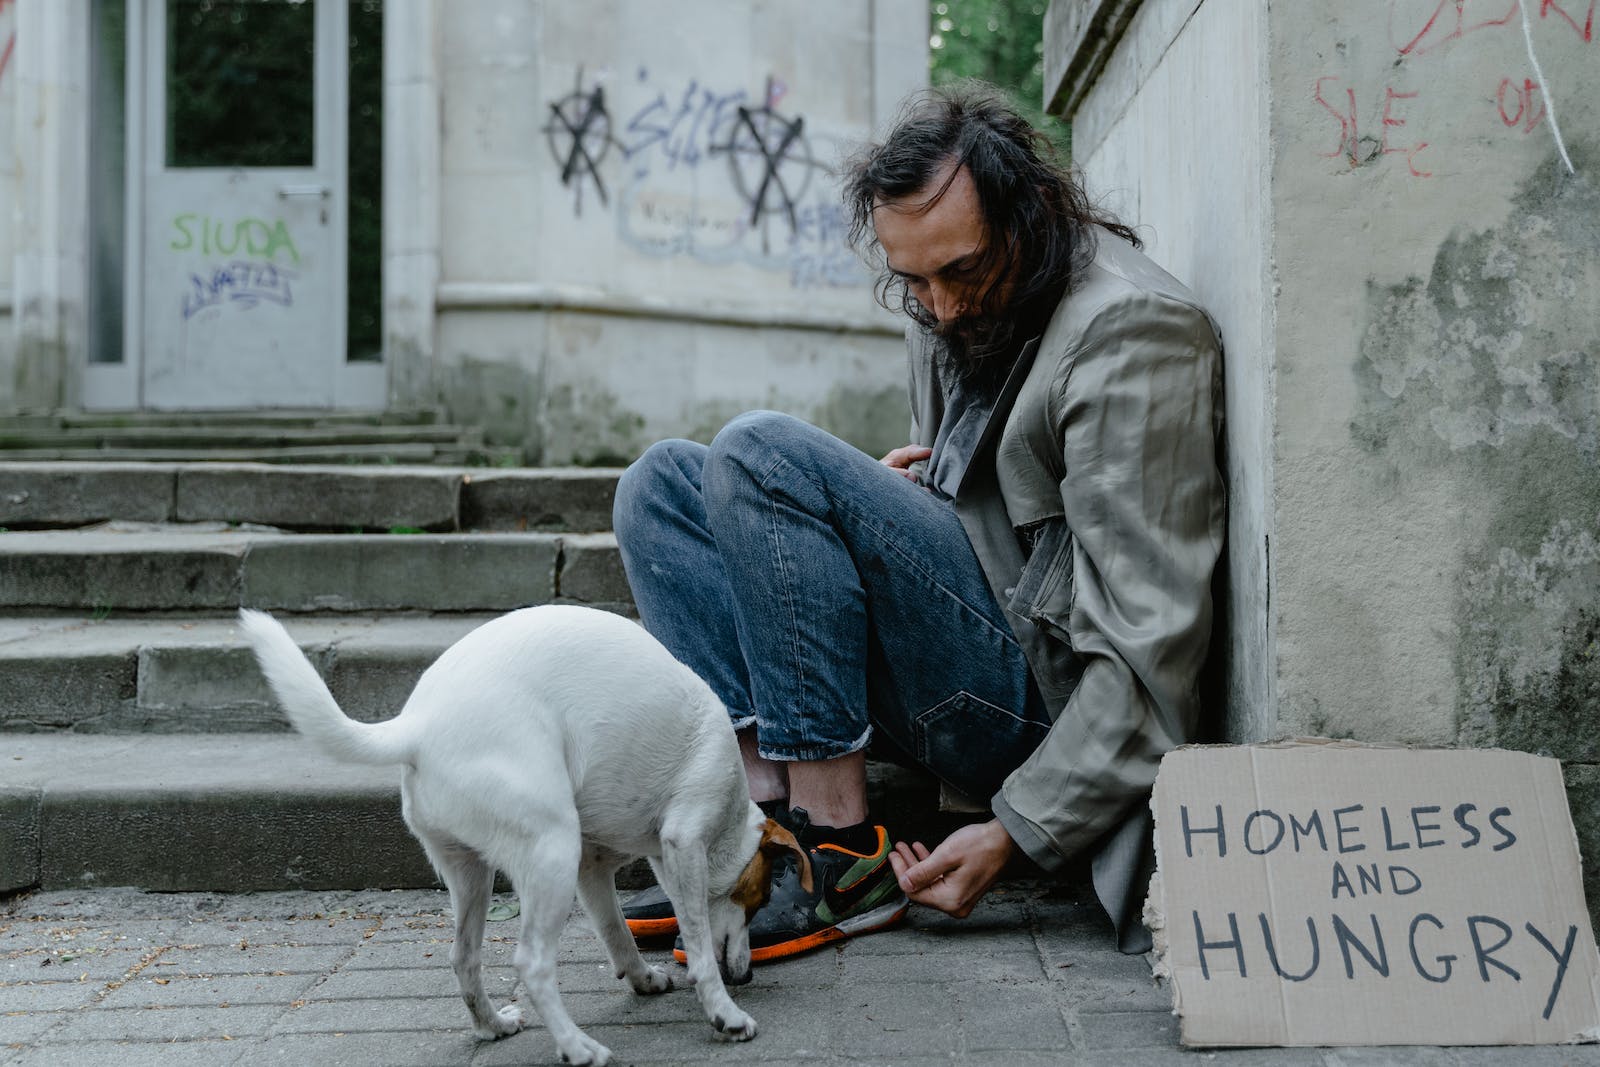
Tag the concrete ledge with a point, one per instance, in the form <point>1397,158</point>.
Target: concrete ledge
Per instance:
<point>45,690</point>
<point>161,570</point>
<point>591,571</point>
<point>76,494</point>
<point>576,500</point>
<point>195,675</point>
<point>318,497</point>
<point>1079,37</point>
<point>226,813</point>
<point>19,837</point>
<point>231,841</point>
<point>307,496</point>
<point>111,571</point>
<point>253,812</point>
<point>464,572</point>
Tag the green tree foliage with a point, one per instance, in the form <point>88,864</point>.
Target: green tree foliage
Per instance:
<point>1001,42</point>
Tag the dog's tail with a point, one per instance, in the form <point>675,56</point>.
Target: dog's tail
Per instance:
<point>309,705</point>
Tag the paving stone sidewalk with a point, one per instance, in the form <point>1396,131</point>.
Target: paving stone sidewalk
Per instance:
<point>330,978</point>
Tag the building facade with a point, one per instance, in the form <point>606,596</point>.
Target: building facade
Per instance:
<point>583,226</point>
<point>1392,207</point>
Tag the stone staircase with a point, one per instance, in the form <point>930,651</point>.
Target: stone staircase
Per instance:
<point>250,436</point>
<point>140,745</point>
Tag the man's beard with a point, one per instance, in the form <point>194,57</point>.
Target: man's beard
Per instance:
<point>976,351</point>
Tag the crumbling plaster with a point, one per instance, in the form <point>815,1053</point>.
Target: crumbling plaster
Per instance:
<point>1390,205</point>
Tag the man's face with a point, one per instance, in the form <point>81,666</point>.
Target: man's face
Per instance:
<point>936,244</point>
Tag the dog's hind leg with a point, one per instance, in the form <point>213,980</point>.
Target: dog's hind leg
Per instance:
<point>546,877</point>
<point>597,889</point>
<point>470,880</point>
<point>683,865</point>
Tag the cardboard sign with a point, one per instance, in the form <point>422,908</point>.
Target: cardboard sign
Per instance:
<point>1329,893</point>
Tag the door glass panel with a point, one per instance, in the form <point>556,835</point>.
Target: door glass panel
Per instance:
<point>240,83</point>
<point>107,177</point>
<point>365,265</point>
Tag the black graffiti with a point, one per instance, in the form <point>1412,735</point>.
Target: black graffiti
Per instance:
<point>771,160</point>
<point>579,135</point>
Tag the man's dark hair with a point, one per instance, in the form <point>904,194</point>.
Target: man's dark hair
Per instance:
<point>1037,216</point>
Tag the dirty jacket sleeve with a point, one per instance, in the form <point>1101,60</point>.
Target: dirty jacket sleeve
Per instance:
<point>1134,404</point>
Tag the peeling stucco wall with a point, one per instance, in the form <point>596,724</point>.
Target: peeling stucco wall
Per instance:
<point>1438,360</point>
<point>1425,381</point>
<point>1490,368</point>
<point>1428,375</point>
<point>641,227</point>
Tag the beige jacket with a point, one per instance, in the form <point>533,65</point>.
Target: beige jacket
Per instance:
<point>1110,423</point>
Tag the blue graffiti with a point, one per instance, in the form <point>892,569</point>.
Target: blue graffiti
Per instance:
<point>242,283</point>
<point>718,176</point>
<point>684,134</point>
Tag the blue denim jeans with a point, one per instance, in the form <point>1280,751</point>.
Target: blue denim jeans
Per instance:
<point>828,600</point>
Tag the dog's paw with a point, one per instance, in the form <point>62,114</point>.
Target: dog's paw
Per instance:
<point>503,1023</point>
<point>735,1025</point>
<point>583,1050</point>
<point>650,981</point>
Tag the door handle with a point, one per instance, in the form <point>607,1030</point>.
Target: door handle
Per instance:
<point>295,192</point>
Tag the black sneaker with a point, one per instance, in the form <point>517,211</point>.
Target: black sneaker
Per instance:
<point>851,893</point>
<point>648,913</point>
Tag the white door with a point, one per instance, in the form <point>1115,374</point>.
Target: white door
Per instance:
<point>244,204</point>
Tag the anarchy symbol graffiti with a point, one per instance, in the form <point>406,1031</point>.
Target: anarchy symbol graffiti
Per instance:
<point>579,135</point>
<point>771,160</point>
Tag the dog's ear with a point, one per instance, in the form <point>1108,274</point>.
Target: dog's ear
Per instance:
<point>776,840</point>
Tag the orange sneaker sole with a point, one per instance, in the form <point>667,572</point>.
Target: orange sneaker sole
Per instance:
<point>769,953</point>
<point>653,927</point>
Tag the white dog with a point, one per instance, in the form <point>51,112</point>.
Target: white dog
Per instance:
<point>557,744</point>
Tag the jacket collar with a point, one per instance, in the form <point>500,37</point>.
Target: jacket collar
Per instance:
<point>1002,408</point>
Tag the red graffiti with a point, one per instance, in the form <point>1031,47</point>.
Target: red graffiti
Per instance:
<point>1530,112</point>
<point>1349,128</point>
<point>11,41</point>
<point>1586,31</point>
<point>1417,27</point>
<point>1444,21</point>
<point>1351,144</point>
<point>1389,122</point>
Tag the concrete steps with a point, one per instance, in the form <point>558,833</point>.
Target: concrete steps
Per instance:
<point>243,812</point>
<point>195,675</point>
<point>306,498</point>
<point>121,567</point>
<point>273,437</point>
<point>138,743</point>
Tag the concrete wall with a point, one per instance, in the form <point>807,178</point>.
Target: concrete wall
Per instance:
<point>1438,354</point>
<point>626,254</point>
<point>1176,142</point>
<point>9,184</point>
<point>607,221</point>
<point>1421,339</point>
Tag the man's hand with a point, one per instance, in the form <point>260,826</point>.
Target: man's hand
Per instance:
<point>956,875</point>
<point>902,458</point>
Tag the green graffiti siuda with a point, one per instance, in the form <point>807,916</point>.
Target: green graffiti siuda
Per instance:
<point>254,237</point>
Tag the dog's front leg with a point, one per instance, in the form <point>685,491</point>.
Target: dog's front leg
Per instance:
<point>545,880</point>
<point>684,865</point>
<point>597,889</point>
